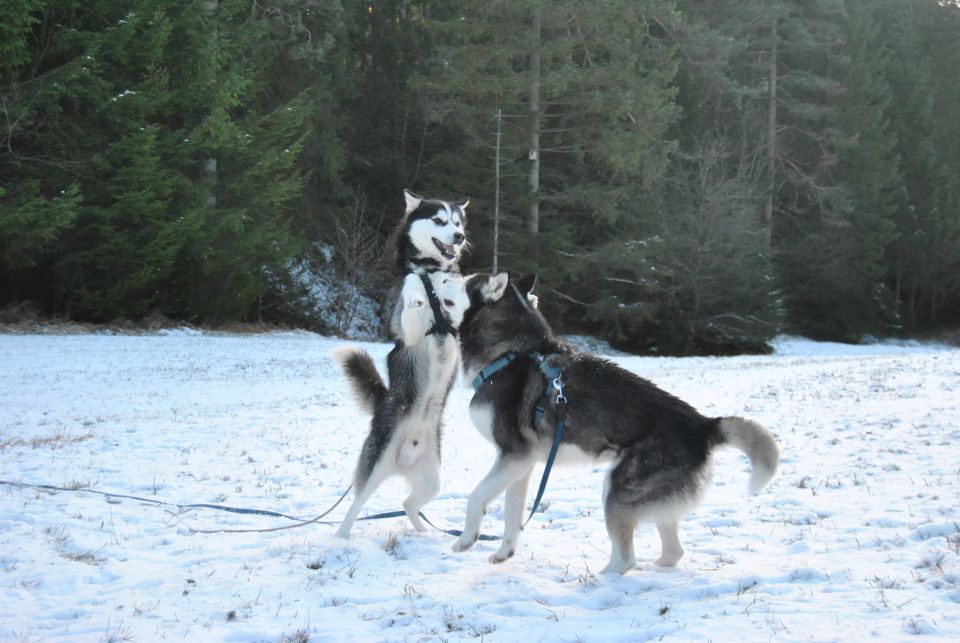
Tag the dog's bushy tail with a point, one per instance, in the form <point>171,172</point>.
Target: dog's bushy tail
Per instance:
<point>365,381</point>
<point>757,443</point>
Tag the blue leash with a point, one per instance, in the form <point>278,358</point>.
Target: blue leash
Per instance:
<point>241,510</point>
<point>561,403</point>
<point>198,505</point>
<point>550,459</point>
<point>554,376</point>
<point>403,514</point>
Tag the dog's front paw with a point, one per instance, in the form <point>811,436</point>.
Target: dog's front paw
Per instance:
<point>500,556</point>
<point>413,294</point>
<point>618,567</point>
<point>464,543</point>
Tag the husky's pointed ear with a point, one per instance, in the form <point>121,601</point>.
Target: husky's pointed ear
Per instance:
<point>526,283</point>
<point>463,205</point>
<point>413,201</point>
<point>493,289</point>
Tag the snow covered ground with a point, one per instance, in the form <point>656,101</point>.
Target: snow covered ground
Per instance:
<point>858,537</point>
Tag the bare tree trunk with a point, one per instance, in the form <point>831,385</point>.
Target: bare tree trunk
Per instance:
<point>533,222</point>
<point>934,304</point>
<point>211,164</point>
<point>898,291</point>
<point>496,199</point>
<point>771,135</point>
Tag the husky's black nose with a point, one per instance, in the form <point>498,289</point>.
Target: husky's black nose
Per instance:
<point>458,238</point>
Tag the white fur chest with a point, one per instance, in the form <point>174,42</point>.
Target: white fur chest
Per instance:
<point>437,359</point>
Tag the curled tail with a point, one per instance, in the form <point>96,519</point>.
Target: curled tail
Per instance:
<point>365,381</point>
<point>757,443</point>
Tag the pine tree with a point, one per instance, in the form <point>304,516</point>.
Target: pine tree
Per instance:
<point>586,98</point>
<point>869,178</point>
<point>710,275</point>
<point>923,74</point>
<point>117,259</point>
<point>44,75</point>
<point>181,132</point>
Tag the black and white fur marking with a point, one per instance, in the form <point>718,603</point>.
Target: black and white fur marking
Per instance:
<point>405,432</point>
<point>659,447</point>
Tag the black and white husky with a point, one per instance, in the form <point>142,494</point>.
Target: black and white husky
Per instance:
<point>429,302</point>
<point>659,446</point>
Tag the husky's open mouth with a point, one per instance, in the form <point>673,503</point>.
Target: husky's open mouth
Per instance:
<point>448,251</point>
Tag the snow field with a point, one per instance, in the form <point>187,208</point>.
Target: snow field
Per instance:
<point>857,537</point>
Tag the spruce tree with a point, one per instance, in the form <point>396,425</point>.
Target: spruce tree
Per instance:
<point>586,97</point>
<point>33,212</point>
<point>923,74</point>
<point>851,297</point>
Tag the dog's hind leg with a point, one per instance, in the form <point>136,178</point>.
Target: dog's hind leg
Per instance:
<point>671,551</point>
<point>380,473</point>
<point>424,482</point>
<point>505,471</point>
<point>620,527</point>
<point>621,523</point>
<point>513,504</point>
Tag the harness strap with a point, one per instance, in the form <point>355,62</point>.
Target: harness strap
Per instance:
<point>549,372</point>
<point>554,376</point>
<point>490,369</point>
<point>441,325</point>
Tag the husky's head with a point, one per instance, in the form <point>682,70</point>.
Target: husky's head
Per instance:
<point>502,317</point>
<point>453,297</point>
<point>433,233</point>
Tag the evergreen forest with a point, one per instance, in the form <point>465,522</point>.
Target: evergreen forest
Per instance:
<point>684,177</point>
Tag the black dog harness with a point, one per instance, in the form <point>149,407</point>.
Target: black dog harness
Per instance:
<point>441,325</point>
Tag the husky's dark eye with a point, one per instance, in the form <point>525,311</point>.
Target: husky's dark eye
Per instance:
<point>439,221</point>
<point>448,303</point>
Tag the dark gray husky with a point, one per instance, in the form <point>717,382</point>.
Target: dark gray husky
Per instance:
<point>429,301</point>
<point>659,446</point>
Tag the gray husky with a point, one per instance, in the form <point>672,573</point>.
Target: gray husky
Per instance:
<point>659,446</point>
<point>429,302</point>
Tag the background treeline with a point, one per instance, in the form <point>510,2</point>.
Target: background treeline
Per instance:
<point>684,176</point>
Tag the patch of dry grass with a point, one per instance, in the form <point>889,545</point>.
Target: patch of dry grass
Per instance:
<point>58,440</point>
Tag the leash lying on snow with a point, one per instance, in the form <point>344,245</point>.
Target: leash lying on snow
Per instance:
<point>553,375</point>
<point>300,522</point>
<point>380,516</point>
<point>199,505</point>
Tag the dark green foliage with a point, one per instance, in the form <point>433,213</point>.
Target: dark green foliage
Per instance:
<point>685,177</point>
<point>842,293</point>
<point>166,141</point>
<point>924,262</point>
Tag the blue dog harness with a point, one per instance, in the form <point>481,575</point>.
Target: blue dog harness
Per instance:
<point>554,376</point>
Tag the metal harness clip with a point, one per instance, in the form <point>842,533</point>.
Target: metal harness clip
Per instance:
<point>558,384</point>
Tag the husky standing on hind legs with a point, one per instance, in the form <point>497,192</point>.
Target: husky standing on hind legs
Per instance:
<point>404,437</point>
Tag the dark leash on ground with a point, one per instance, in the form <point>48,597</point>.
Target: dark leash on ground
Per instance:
<point>553,376</point>
<point>299,522</point>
